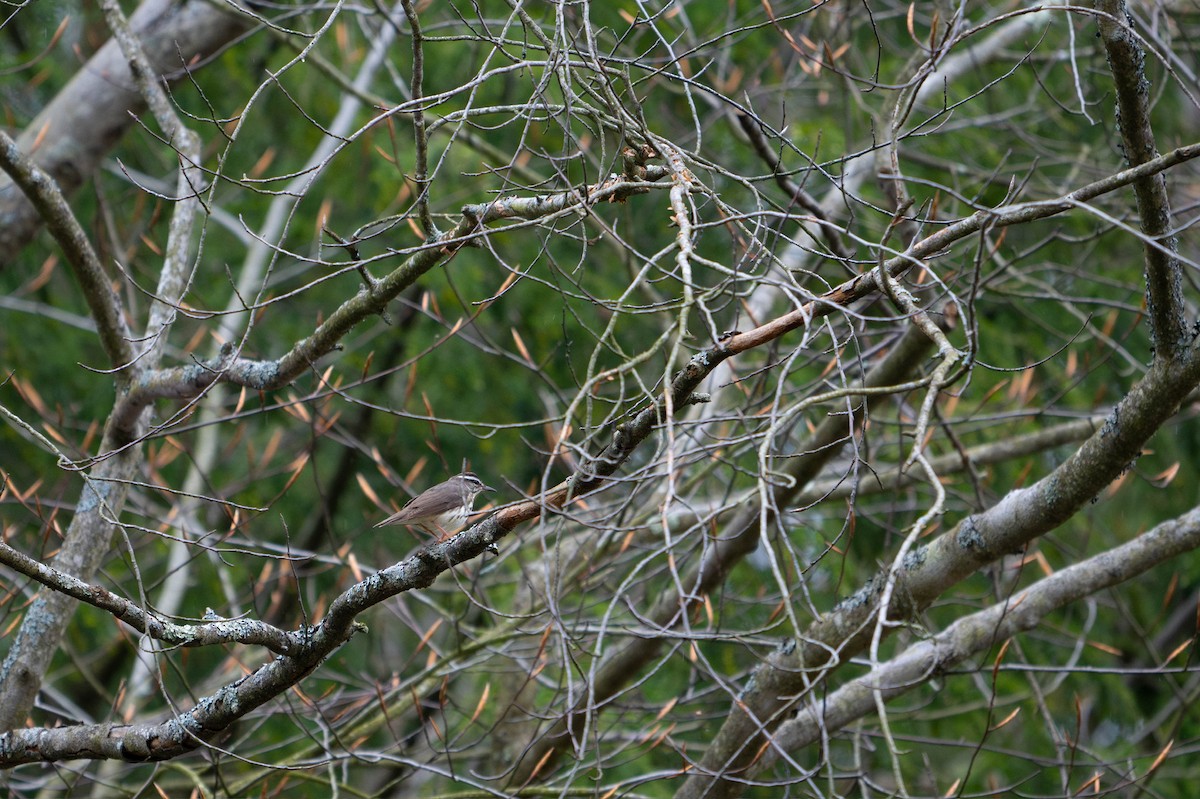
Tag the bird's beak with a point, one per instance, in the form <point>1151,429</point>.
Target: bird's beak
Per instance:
<point>487,488</point>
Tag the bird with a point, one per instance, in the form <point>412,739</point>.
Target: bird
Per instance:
<point>442,509</point>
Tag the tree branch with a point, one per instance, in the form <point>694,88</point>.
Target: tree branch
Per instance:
<point>187,635</point>
<point>1020,517</point>
<point>975,634</point>
<point>1164,277</point>
<point>52,207</point>
<point>75,131</point>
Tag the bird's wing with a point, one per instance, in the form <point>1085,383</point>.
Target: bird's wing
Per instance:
<point>416,507</point>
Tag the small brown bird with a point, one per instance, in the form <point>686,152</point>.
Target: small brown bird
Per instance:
<point>442,509</point>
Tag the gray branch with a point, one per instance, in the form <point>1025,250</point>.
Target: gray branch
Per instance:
<point>973,635</point>
<point>1164,277</point>
<point>1019,518</point>
<point>45,196</point>
<point>89,116</point>
<point>187,635</point>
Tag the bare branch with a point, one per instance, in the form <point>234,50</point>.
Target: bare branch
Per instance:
<point>971,636</point>
<point>1164,279</point>
<point>187,635</point>
<point>42,191</point>
<point>71,136</point>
